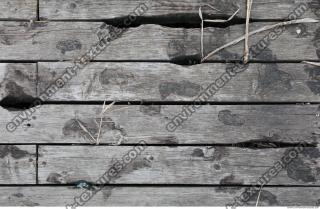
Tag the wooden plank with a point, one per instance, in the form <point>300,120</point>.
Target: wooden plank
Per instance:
<point>70,40</point>
<point>212,124</point>
<point>18,9</point>
<point>176,165</point>
<point>169,82</point>
<point>17,82</point>
<point>18,164</point>
<point>99,9</point>
<point>157,196</point>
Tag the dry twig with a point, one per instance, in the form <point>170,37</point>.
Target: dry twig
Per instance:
<point>268,27</point>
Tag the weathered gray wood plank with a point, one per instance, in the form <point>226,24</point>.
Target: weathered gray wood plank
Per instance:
<point>208,125</point>
<point>17,82</point>
<point>18,164</point>
<point>176,165</point>
<point>70,40</point>
<point>100,9</point>
<point>169,82</point>
<point>18,9</point>
<point>157,196</point>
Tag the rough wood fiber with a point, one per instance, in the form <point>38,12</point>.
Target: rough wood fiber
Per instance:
<point>70,40</point>
<point>99,9</point>
<point>18,9</point>
<point>17,82</point>
<point>208,125</point>
<point>157,196</point>
<point>176,165</point>
<point>17,164</point>
<point>169,82</point>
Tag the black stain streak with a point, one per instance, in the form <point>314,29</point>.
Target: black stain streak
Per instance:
<point>183,88</point>
<point>150,110</point>
<point>227,118</point>
<point>68,45</point>
<point>14,151</point>
<point>314,76</point>
<point>266,199</point>
<point>305,167</point>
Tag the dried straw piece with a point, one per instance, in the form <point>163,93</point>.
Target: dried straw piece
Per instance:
<point>312,63</point>
<point>246,44</point>
<point>213,21</point>
<point>104,109</point>
<point>259,196</point>
<point>92,140</point>
<point>268,27</point>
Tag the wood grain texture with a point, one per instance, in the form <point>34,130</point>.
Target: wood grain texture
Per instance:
<point>169,82</point>
<point>18,9</point>
<point>99,9</point>
<point>18,164</point>
<point>157,196</point>
<point>70,40</point>
<point>17,82</point>
<point>176,165</point>
<point>208,125</point>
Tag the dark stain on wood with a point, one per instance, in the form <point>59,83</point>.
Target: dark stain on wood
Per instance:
<point>171,140</point>
<point>210,153</point>
<point>56,178</point>
<point>271,80</point>
<point>230,180</point>
<point>14,151</point>
<point>72,127</point>
<point>227,118</point>
<point>266,199</point>
<point>315,7</point>
<point>305,167</point>
<point>18,195</point>
<point>182,88</point>
<point>68,45</point>
<point>114,77</point>
<point>316,42</point>
<point>150,110</point>
<point>314,76</point>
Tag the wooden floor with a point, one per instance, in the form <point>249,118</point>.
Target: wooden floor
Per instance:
<point>153,73</point>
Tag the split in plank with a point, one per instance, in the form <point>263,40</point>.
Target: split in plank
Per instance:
<point>99,9</point>
<point>17,164</point>
<point>214,124</point>
<point>158,196</point>
<point>269,82</point>
<point>177,165</point>
<point>71,40</point>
